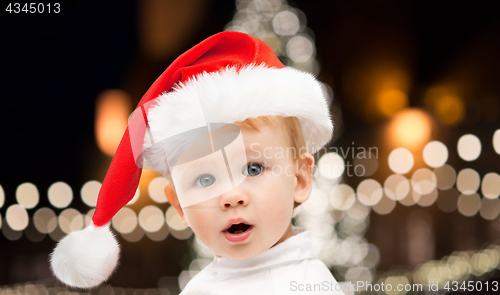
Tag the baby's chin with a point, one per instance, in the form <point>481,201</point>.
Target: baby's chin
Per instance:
<point>240,252</point>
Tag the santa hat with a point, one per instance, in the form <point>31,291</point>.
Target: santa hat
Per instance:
<point>228,77</point>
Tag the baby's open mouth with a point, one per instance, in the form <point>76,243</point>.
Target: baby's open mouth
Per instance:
<point>238,228</point>
<point>238,231</point>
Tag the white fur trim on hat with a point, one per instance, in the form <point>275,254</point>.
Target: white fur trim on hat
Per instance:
<point>85,258</point>
<point>233,95</point>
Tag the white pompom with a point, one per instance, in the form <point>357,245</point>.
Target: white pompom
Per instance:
<point>85,258</point>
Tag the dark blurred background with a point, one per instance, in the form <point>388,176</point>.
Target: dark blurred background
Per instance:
<point>381,59</point>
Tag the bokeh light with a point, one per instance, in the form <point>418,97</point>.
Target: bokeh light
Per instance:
<point>159,235</point>
<point>151,218</point>
<point>468,181</point>
<point>253,27</point>
<point>410,128</point>
<point>135,236</point>
<point>300,49</point>
<point>32,233</point>
<point>410,199</point>
<point>393,281</point>
<point>27,195</point>
<point>435,154</point>
<point>490,208</point>
<point>17,217</point>
<point>174,221</point>
<point>445,176</point>
<point>469,205</point>
<point>9,233</point>
<point>112,111</point>
<point>423,181</point>
<point>401,161</point>
<point>358,274</point>
<point>384,206</point>
<point>342,197</point>
<point>359,249</point>
<point>396,187</point>
<point>448,200</point>
<point>455,267</point>
<point>391,101</point>
<point>88,216</point>
<point>286,23</point>
<point>70,220</point>
<point>45,220</point>
<point>106,289</point>
<point>310,66</point>
<point>60,194</point>
<point>273,41</point>
<point>369,192</point>
<point>155,189</point>
<point>372,258</point>
<point>427,200</point>
<point>89,192</point>
<point>368,162</point>
<point>449,109</point>
<point>358,211</point>
<point>496,142</point>
<point>480,263</point>
<point>183,234</point>
<point>490,186</point>
<point>317,202</point>
<point>331,166</point>
<point>469,147</point>
<point>33,289</point>
<point>125,220</point>
<point>415,195</point>
<point>2,197</point>
<point>57,234</point>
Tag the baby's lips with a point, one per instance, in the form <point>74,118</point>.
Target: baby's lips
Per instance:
<point>236,220</point>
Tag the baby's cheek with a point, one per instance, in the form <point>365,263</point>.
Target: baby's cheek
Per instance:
<point>202,217</point>
<point>197,218</point>
<point>200,227</point>
<point>285,184</point>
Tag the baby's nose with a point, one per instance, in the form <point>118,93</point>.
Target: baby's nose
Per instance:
<point>233,199</point>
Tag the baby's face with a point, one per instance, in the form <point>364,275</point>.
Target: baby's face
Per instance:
<point>249,218</point>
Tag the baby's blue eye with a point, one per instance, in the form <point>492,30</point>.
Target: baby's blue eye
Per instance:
<point>205,180</point>
<point>253,169</point>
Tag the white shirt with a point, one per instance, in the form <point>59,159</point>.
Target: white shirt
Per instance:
<point>287,268</point>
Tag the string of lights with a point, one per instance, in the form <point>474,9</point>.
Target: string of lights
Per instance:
<point>150,221</point>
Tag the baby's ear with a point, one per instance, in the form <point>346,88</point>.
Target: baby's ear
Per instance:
<point>304,175</point>
<point>172,198</point>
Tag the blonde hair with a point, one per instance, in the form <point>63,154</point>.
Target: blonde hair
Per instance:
<point>292,129</point>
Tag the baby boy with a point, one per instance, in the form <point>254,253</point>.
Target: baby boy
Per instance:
<point>234,130</point>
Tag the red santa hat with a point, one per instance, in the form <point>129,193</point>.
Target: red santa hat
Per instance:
<point>228,77</point>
